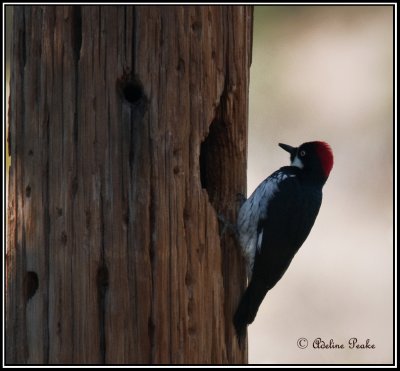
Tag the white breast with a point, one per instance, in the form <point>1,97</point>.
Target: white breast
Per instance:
<point>251,212</point>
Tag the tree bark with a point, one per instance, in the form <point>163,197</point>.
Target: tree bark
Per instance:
<point>128,133</point>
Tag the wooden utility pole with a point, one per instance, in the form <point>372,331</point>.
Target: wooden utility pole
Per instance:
<point>128,132</point>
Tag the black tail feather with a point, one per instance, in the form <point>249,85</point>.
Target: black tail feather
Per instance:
<point>247,309</point>
<point>240,320</point>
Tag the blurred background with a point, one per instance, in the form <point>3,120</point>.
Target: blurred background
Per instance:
<point>326,73</point>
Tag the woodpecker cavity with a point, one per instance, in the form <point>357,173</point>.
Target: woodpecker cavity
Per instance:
<point>276,219</point>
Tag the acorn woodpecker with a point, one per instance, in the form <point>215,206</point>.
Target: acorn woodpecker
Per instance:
<point>276,219</point>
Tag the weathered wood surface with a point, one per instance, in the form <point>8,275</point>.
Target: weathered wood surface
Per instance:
<point>128,132</point>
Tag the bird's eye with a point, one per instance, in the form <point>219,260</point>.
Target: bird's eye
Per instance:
<point>302,153</point>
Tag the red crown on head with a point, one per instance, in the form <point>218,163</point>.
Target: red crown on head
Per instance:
<point>325,155</point>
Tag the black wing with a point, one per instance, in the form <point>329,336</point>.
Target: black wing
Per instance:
<point>290,216</point>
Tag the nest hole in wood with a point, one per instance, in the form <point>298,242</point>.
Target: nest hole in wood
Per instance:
<point>214,161</point>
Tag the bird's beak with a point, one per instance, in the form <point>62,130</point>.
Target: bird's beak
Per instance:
<point>287,148</point>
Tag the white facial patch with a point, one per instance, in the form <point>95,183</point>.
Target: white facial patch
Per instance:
<point>297,162</point>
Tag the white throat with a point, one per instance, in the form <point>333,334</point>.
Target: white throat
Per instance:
<point>297,162</point>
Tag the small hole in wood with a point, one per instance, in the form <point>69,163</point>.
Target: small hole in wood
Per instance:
<point>133,92</point>
<point>131,88</point>
<point>31,284</point>
<point>102,277</point>
<point>28,191</point>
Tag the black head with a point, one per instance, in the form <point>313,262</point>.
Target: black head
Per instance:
<point>314,158</point>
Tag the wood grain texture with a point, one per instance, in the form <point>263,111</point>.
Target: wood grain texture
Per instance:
<point>128,134</point>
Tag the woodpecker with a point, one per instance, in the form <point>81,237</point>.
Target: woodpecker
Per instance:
<point>276,219</point>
